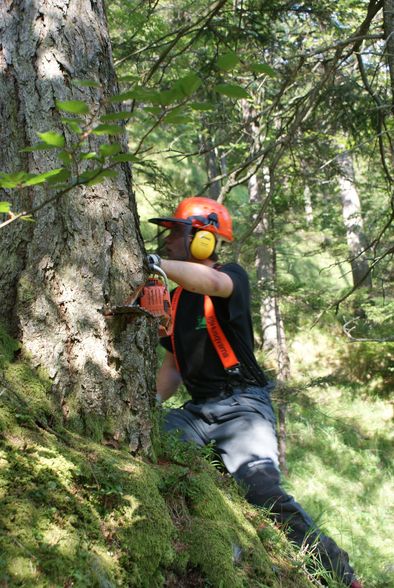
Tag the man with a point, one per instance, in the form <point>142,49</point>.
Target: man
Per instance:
<point>211,352</point>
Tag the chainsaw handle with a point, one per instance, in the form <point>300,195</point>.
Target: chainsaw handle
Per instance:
<point>155,269</point>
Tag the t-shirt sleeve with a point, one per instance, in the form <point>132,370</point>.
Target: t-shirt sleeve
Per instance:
<point>239,299</point>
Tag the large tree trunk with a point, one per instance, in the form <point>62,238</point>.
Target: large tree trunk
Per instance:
<point>82,251</point>
<point>351,210</point>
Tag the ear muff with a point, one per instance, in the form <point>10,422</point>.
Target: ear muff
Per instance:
<point>203,245</point>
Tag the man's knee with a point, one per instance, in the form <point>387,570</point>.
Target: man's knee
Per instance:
<point>176,421</point>
<point>261,479</point>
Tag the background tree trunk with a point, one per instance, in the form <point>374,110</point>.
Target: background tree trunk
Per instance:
<point>388,22</point>
<point>82,251</point>
<point>351,210</point>
<point>212,163</point>
<point>308,205</point>
<point>274,340</point>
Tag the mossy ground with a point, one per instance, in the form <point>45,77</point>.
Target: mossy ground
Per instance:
<point>77,513</point>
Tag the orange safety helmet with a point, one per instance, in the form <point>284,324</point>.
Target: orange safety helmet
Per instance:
<point>203,214</point>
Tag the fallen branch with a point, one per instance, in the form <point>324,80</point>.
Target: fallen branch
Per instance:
<point>347,329</point>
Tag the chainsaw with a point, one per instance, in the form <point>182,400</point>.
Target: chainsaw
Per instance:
<point>151,299</point>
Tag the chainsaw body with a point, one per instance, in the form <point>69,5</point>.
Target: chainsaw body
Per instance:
<point>151,299</point>
<point>155,299</point>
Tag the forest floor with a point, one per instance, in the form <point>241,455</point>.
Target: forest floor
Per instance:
<point>340,447</point>
<point>77,513</point>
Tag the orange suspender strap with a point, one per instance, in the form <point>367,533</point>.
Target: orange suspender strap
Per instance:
<point>218,338</point>
<point>174,305</point>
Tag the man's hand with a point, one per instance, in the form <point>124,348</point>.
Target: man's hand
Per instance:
<point>153,259</point>
<point>168,378</point>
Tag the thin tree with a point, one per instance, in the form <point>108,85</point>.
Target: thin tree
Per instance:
<point>353,221</point>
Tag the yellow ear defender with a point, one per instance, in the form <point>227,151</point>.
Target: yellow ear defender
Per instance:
<point>203,245</point>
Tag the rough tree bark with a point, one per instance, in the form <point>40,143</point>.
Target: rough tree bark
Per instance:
<point>82,251</point>
<point>351,210</point>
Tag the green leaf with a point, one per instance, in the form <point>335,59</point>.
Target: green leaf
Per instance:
<point>97,176</point>
<point>122,157</point>
<point>52,138</point>
<point>89,155</point>
<point>73,124</point>
<point>201,105</point>
<point>231,91</point>
<point>153,109</point>
<point>86,84</point>
<point>41,178</point>
<point>110,149</point>
<point>188,84</point>
<point>5,207</point>
<point>62,176</point>
<point>107,130</point>
<point>262,68</point>
<point>12,180</point>
<point>123,115</point>
<point>227,61</point>
<point>74,106</point>
<point>176,118</point>
<point>38,147</point>
<point>167,97</point>
<point>140,94</point>
<point>65,157</point>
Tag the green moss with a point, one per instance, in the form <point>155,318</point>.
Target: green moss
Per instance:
<point>74,512</point>
<point>8,347</point>
<point>94,425</point>
<point>26,290</point>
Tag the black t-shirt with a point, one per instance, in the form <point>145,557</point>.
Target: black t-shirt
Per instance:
<point>201,369</point>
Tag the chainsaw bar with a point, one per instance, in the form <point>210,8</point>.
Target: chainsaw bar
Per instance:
<point>124,310</point>
<point>151,299</point>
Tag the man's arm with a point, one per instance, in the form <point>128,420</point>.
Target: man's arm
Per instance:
<point>198,278</point>
<point>168,378</point>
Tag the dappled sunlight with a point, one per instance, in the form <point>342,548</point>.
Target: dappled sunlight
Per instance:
<point>130,512</point>
<point>308,354</point>
<point>23,568</point>
<point>341,472</point>
<point>53,534</point>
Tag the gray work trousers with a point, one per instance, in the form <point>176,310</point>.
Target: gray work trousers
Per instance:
<point>242,425</point>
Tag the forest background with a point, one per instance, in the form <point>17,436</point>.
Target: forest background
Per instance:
<point>284,112</point>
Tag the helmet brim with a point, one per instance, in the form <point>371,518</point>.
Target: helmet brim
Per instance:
<point>168,222</point>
